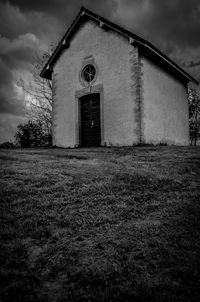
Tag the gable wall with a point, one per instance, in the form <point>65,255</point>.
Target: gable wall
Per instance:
<point>114,57</point>
<point>165,106</point>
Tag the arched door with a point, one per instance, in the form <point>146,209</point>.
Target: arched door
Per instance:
<point>90,122</point>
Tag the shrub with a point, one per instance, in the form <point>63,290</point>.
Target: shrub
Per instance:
<point>32,134</point>
<point>7,145</point>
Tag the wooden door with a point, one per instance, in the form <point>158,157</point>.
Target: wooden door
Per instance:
<point>90,120</point>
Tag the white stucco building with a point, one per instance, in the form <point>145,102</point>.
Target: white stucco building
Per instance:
<point>113,88</point>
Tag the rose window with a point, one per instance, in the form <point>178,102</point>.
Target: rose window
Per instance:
<point>88,73</point>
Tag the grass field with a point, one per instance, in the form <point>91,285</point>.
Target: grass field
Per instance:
<point>107,224</point>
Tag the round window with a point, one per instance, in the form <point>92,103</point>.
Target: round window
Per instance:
<point>88,73</point>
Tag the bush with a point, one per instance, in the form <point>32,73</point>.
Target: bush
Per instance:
<point>32,134</point>
<point>194,116</point>
<point>7,145</point>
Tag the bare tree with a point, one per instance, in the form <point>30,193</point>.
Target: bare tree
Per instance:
<point>39,95</point>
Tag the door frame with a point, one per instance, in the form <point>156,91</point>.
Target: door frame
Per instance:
<point>83,92</point>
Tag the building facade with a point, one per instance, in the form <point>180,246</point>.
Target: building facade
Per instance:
<point>112,88</point>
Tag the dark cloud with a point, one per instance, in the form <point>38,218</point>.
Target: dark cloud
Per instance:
<point>15,56</point>
<point>175,21</point>
<point>62,9</point>
<point>20,51</point>
<point>8,126</point>
<point>12,21</point>
<point>20,40</point>
<point>47,19</point>
<point>15,22</point>
<point>10,101</point>
<point>48,6</point>
<point>178,22</point>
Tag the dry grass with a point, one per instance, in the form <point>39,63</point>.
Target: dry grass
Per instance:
<point>107,224</point>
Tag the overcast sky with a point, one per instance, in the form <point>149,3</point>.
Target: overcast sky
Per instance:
<point>29,26</point>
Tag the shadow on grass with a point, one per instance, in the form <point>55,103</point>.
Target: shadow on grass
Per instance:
<point>123,235</point>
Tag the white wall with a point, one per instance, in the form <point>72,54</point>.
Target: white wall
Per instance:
<point>165,106</point>
<point>111,53</point>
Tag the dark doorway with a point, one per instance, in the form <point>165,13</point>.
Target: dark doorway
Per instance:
<point>90,132</point>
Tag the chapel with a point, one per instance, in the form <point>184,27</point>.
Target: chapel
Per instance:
<point>113,88</point>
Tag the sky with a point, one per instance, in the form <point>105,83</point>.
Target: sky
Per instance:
<point>28,27</point>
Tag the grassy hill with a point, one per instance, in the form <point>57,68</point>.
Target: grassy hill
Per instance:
<point>107,224</point>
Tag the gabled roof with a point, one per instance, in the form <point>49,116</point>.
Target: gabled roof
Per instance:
<point>145,47</point>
